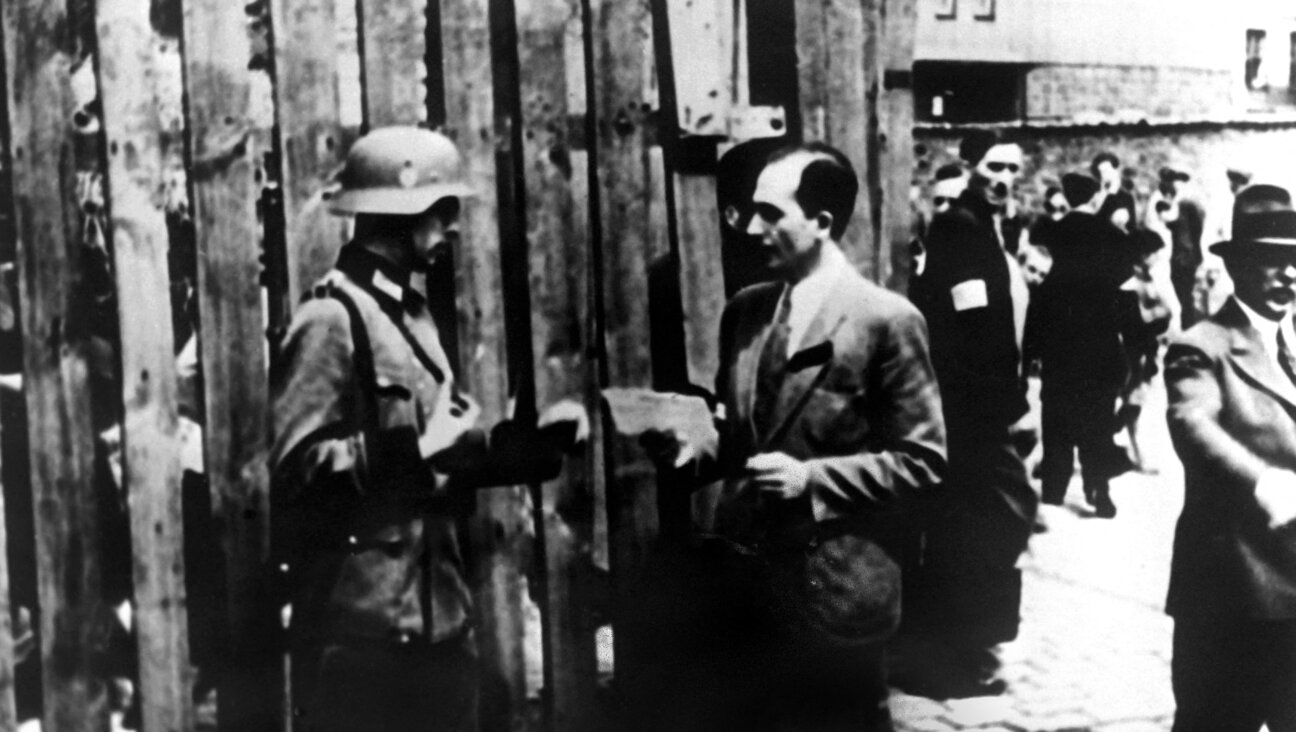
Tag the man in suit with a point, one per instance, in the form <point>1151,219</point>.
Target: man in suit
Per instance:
<point>1232,415</point>
<point>1072,324</point>
<point>974,297</point>
<point>832,424</point>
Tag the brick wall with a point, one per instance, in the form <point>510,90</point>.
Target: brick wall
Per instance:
<point>1076,92</point>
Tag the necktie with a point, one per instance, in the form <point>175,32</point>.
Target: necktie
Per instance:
<point>1285,357</point>
<point>772,367</point>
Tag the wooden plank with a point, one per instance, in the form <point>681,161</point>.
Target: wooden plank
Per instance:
<point>394,49</point>
<point>138,164</point>
<point>41,52</point>
<point>702,38</point>
<point>895,139</point>
<point>312,140</point>
<point>633,230</point>
<point>468,48</point>
<point>226,144</point>
<point>558,243</point>
<point>8,324</point>
<point>831,58</point>
<point>702,289</point>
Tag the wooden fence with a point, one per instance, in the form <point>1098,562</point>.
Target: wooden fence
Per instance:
<point>180,146</point>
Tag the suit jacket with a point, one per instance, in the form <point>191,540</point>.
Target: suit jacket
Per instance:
<point>861,407</point>
<point>966,295</point>
<point>1232,415</point>
<point>1073,325</point>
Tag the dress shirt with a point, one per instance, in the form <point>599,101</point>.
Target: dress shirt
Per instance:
<point>809,293</point>
<point>1268,330</point>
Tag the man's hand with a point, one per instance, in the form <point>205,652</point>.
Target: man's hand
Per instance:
<point>1275,492</point>
<point>778,475</point>
<point>564,424</point>
<point>445,430</point>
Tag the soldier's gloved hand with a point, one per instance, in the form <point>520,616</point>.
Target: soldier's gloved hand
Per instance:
<point>667,448</point>
<point>449,427</point>
<point>564,425</point>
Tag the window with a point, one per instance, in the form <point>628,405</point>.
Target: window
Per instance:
<point>1255,74</point>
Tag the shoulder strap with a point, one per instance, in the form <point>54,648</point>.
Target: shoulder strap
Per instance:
<point>362,356</point>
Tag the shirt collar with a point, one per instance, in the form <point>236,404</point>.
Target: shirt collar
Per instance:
<point>1267,328</point>
<point>379,275</point>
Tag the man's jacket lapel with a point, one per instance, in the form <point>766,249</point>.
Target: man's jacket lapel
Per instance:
<point>806,376</point>
<point>1247,352</point>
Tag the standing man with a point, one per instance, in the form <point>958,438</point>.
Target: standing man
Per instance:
<point>974,299</point>
<point>1232,415</point>
<point>1181,220</point>
<point>833,424</point>
<point>1075,329</point>
<point>375,454</point>
<point>1118,203</point>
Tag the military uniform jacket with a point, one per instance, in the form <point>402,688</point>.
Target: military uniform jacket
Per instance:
<point>373,537</point>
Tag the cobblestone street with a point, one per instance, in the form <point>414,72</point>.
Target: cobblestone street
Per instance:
<point>1094,647</point>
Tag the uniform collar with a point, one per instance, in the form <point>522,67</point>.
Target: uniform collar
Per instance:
<point>379,275</point>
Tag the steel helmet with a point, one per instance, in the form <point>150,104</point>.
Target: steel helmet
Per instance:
<point>399,171</point>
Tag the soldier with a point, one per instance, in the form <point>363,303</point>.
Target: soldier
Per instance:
<point>376,450</point>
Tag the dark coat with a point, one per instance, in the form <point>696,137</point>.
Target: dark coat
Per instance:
<point>973,336</point>
<point>1073,323</point>
<point>1232,415</point>
<point>860,406</point>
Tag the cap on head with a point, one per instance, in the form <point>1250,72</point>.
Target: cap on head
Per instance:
<point>1079,188</point>
<point>979,141</point>
<point>398,171</point>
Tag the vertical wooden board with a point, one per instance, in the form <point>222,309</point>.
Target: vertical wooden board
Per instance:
<point>702,42</point>
<point>830,42</point>
<point>8,707</point>
<point>701,274</point>
<point>895,139</point>
<point>40,53</point>
<point>558,244</point>
<point>311,138</point>
<point>631,190</point>
<point>504,514</point>
<point>8,322</point>
<point>137,165</point>
<point>395,74</point>
<point>226,144</point>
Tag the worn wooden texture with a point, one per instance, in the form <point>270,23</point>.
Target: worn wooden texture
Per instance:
<point>8,708</point>
<point>503,523</point>
<point>702,39</point>
<point>394,45</point>
<point>895,139</point>
<point>831,36</point>
<point>633,235</point>
<point>312,141</point>
<point>701,273</point>
<point>226,144</point>
<point>41,53</point>
<point>138,165</point>
<point>558,243</point>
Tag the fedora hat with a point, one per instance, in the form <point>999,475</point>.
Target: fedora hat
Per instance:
<point>1263,218</point>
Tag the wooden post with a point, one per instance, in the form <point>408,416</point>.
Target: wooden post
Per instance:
<point>831,39</point>
<point>553,165</point>
<point>633,233</point>
<point>895,139</point>
<point>394,46</point>
<point>312,141</point>
<point>8,708</point>
<point>503,518</point>
<point>226,144</point>
<point>40,53</point>
<point>138,160</point>
<point>702,289</point>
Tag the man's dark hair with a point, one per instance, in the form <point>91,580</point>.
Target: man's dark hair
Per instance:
<point>1103,157</point>
<point>978,142</point>
<point>949,171</point>
<point>828,183</point>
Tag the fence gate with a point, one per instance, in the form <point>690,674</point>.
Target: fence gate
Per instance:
<point>161,212</point>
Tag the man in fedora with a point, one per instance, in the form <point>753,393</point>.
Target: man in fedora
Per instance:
<point>1232,415</point>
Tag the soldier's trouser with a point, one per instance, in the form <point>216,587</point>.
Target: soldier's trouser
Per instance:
<point>355,685</point>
